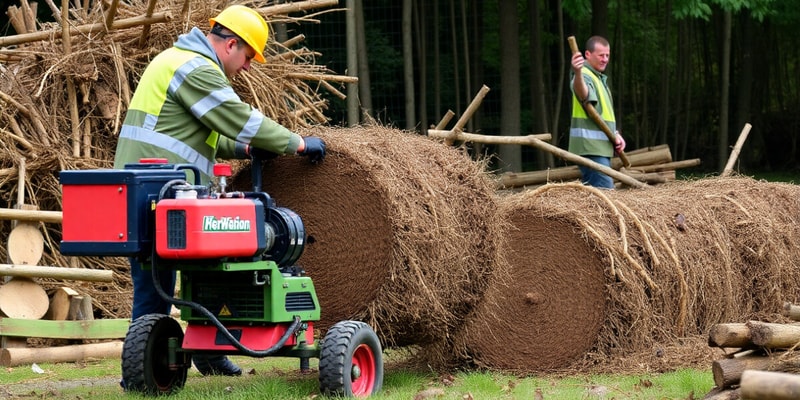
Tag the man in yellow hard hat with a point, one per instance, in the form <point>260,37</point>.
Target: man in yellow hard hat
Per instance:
<point>186,111</point>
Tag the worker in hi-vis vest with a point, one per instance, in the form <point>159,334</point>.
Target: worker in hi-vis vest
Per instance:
<point>186,111</point>
<point>586,138</point>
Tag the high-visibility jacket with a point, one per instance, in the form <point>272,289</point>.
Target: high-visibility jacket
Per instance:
<point>585,137</point>
<point>185,110</point>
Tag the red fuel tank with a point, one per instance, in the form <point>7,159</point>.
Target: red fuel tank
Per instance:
<point>190,228</point>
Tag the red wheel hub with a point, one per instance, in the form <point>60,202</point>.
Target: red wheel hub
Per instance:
<point>363,373</point>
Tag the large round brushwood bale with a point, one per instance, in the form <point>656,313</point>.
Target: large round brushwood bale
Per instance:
<point>551,306</point>
<point>674,260</point>
<point>401,229</point>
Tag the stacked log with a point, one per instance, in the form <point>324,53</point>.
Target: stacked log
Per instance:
<point>27,310</point>
<point>761,362</point>
<point>651,165</point>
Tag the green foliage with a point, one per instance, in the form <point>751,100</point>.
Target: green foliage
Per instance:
<point>701,9</point>
<point>580,10</point>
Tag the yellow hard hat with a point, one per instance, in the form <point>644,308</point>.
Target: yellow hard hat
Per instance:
<point>248,24</point>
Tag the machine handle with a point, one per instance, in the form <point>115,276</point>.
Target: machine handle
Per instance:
<point>255,170</point>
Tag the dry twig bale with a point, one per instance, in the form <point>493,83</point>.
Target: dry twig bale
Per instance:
<point>675,260</point>
<point>401,230</point>
<point>551,307</point>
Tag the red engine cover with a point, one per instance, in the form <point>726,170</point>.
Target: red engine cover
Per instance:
<point>208,228</point>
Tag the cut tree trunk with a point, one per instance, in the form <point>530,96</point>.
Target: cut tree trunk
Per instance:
<point>728,372</point>
<point>730,335</point>
<point>60,303</point>
<point>25,244</point>
<point>23,298</point>
<point>792,311</point>
<point>763,385</point>
<point>774,336</point>
<point>80,309</point>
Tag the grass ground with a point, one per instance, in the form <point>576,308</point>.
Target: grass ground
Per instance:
<point>280,379</point>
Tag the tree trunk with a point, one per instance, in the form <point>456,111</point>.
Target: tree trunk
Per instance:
<point>467,61</point>
<point>408,65</point>
<point>437,80</point>
<point>364,85</point>
<point>664,108</point>
<point>353,113</point>
<point>724,101</point>
<point>600,18</point>
<point>562,73</point>
<point>421,42</point>
<point>745,78</point>
<point>454,49</point>
<point>510,156</point>
<point>538,102</point>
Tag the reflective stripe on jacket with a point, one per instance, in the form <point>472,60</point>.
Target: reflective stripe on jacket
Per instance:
<point>585,137</point>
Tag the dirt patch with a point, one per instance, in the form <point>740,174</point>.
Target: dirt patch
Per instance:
<point>50,389</point>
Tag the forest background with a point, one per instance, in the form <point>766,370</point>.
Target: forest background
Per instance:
<point>687,73</point>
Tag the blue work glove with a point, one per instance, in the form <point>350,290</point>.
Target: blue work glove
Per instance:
<point>314,150</point>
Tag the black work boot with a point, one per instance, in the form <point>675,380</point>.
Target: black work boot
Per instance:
<point>215,365</point>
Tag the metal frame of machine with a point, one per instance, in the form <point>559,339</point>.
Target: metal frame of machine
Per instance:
<point>241,290</point>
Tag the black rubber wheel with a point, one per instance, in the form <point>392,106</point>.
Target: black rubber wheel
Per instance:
<point>145,352</point>
<point>350,361</point>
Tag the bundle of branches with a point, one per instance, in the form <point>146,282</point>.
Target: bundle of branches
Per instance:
<point>402,231</point>
<point>63,95</point>
<point>599,277</point>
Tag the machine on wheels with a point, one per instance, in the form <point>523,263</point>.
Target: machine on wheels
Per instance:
<point>241,292</point>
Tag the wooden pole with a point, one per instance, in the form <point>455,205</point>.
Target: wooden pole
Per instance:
<point>736,149</point>
<point>576,159</point>
<point>471,108</point>
<point>16,19</point>
<point>78,274</point>
<point>112,13</point>
<point>28,16</point>
<point>445,119</point>
<point>24,356</point>
<point>151,5</point>
<point>83,29</point>
<point>72,96</point>
<point>764,385</point>
<point>319,77</point>
<point>296,6</point>
<point>489,139</point>
<point>31,215</point>
<point>665,166</point>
